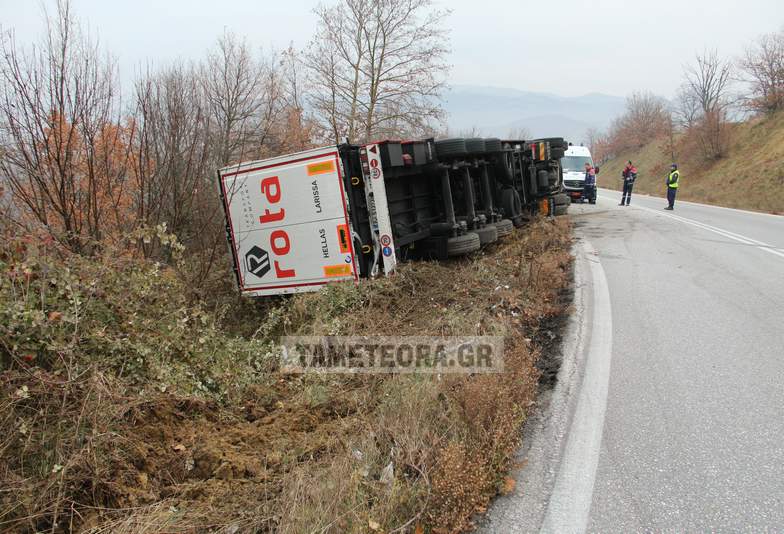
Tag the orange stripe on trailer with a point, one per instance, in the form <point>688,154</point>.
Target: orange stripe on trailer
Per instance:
<point>542,151</point>
<point>343,239</point>
<point>322,167</point>
<point>341,269</point>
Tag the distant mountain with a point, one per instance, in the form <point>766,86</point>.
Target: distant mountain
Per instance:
<point>495,111</point>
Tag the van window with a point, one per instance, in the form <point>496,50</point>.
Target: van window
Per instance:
<point>574,163</point>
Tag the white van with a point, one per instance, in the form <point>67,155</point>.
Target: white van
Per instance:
<point>573,165</point>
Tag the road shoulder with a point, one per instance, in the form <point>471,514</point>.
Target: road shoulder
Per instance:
<point>563,437</point>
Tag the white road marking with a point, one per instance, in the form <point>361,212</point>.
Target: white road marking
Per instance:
<point>726,233</point>
<point>700,204</point>
<point>570,501</point>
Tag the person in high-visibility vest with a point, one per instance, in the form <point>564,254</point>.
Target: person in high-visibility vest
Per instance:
<point>672,186</point>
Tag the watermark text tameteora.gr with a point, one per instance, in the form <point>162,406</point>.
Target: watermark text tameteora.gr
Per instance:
<point>392,354</point>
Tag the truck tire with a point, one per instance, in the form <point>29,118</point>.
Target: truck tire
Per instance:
<point>561,199</point>
<point>450,148</point>
<point>555,142</point>
<point>487,234</point>
<point>493,144</point>
<point>557,153</point>
<point>504,227</point>
<point>475,145</point>
<point>510,201</point>
<point>462,244</point>
<point>561,209</point>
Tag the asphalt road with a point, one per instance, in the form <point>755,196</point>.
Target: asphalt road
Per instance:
<point>669,411</point>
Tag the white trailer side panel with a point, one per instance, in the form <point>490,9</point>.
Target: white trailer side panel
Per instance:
<point>289,223</point>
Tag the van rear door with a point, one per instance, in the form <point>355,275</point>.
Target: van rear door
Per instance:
<point>288,222</point>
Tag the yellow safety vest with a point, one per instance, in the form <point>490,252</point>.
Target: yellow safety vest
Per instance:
<point>673,181</point>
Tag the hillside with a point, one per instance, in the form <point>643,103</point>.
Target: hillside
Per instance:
<point>750,176</point>
<point>496,111</point>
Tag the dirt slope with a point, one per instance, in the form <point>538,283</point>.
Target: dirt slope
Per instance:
<point>750,177</point>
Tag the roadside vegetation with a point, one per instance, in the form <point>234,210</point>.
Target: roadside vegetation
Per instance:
<point>126,405</point>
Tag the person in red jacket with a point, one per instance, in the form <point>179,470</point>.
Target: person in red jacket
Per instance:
<point>589,186</point>
<point>629,176</point>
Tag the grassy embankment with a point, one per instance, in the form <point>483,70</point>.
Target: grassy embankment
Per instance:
<point>750,176</point>
<point>125,407</point>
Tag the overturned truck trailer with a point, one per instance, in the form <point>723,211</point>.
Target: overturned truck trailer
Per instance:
<point>297,222</point>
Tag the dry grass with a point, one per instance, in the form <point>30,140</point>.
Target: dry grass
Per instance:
<point>84,450</point>
<point>750,177</point>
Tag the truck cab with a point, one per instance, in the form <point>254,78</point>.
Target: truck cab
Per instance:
<point>573,165</point>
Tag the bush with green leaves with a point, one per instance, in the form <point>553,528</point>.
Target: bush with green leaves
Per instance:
<point>116,313</point>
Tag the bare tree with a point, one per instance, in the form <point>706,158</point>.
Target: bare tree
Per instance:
<point>669,146</point>
<point>603,148</point>
<point>244,96</point>
<point>473,131</point>
<point>64,153</point>
<point>763,67</point>
<point>519,133</point>
<point>645,119</point>
<point>707,83</point>
<point>173,145</point>
<point>299,126</point>
<point>687,109</point>
<point>592,136</point>
<point>378,67</point>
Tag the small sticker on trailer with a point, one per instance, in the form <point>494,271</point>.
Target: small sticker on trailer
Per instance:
<point>288,222</point>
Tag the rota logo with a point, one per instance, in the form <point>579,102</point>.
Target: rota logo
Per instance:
<point>279,239</point>
<point>257,261</point>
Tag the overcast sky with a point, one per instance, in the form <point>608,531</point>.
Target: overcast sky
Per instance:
<point>566,47</point>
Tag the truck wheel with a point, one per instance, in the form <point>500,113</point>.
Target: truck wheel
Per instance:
<point>562,199</point>
<point>449,148</point>
<point>555,142</point>
<point>475,145</point>
<point>557,153</point>
<point>504,227</point>
<point>462,244</point>
<point>487,234</point>
<point>561,209</point>
<point>493,144</point>
<point>510,201</point>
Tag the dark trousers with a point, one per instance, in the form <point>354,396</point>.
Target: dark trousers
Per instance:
<point>671,196</point>
<point>627,192</point>
<point>589,192</point>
